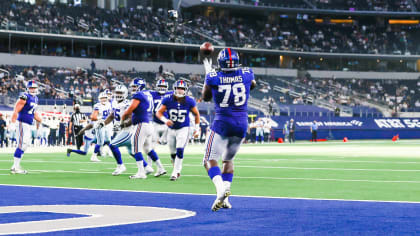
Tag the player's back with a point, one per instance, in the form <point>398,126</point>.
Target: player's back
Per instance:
<point>157,101</point>
<point>230,91</point>
<point>143,110</point>
<point>26,115</point>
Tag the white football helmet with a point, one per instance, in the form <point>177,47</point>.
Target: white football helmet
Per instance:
<point>120,93</point>
<point>103,98</point>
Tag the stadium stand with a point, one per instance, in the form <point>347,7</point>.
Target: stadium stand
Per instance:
<point>361,36</point>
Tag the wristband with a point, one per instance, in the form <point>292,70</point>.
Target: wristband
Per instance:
<point>164,119</point>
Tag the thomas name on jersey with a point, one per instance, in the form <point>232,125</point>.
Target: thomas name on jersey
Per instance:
<point>229,80</point>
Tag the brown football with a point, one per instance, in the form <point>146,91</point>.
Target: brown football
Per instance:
<point>206,48</point>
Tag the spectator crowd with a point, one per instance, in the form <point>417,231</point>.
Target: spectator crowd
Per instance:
<point>146,23</point>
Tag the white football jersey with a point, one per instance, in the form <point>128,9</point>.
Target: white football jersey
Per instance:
<point>259,124</point>
<point>104,110</point>
<point>119,108</point>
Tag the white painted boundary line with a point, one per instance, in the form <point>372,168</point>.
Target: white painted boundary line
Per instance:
<point>322,160</point>
<point>241,166</point>
<point>242,177</point>
<point>206,194</point>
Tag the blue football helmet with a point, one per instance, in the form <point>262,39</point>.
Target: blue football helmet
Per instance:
<point>32,84</point>
<point>137,84</point>
<point>182,85</point>
<point>162,86</point>
<point>228,59</point>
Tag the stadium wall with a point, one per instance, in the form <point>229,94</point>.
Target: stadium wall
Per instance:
<point>120,65</point>
<point>352,127</point>
<point>364,75</point>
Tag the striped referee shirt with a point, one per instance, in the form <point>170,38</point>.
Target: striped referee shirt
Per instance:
<point>76,118</point>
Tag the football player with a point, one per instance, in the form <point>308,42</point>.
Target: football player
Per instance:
<point>25,113</point>
<point>140,110</point>
<point>100,112</point>
<point>259,134</point>
<point>89,137</point>
<point>178,107</point>
<point>229,86</point>
<point>160,130</point>
<point>123,135</point>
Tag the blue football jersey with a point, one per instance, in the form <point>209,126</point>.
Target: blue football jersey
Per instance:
<point>230,90</point>
<point>26,115</point>
<point>178,112</point>
<point>157,100</point>
<point>144,109</point>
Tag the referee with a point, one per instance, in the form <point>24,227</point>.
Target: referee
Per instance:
<point>76,125</point>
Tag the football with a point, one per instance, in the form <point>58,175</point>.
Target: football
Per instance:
<point>206,48</point>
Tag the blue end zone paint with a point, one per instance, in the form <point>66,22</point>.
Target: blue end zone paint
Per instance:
<point>250,216</point>
<point>34,216</point>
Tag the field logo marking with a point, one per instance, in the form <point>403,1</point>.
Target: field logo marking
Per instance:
<point>98,216</point>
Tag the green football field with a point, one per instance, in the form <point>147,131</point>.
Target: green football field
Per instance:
<point>360,170</point>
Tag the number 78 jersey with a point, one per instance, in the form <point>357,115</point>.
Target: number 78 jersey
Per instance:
<point>230,90</point>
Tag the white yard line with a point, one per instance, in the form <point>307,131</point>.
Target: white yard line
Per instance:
<point>240,166</point>
<point>320,160</point>
<point>242,177</point>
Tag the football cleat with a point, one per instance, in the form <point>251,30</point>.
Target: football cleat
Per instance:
<point>175,177</point>
<point>226,203</point>
<point>94,159</point>
<point>20,171</point>
<point>138,176</point>
<point>218,203</point>
<point>160,172</point>
<point>119,170</point>
<point>148,169</point>
<point>68,152</point>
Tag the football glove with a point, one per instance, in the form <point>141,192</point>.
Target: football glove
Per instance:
<point>100,124</point>
<point>117,127</point>
<point>207,64</point>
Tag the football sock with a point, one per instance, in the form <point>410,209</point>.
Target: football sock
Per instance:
<point>227,180</point>
<point>178,165</point>
<point>79,152</point>
<point>116,153</point>
<point>140,167</point>
<point>152,154</point>
<point>214,174</point>
<point>97,148</point>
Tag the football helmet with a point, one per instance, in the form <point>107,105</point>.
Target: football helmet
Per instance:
<point>121,93</point>
<point>228,59</point>
<point>162,86</point>
<point>32,87</point>
<point>180,88</point>
<point>137,84</point>
<point>103,98</point>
